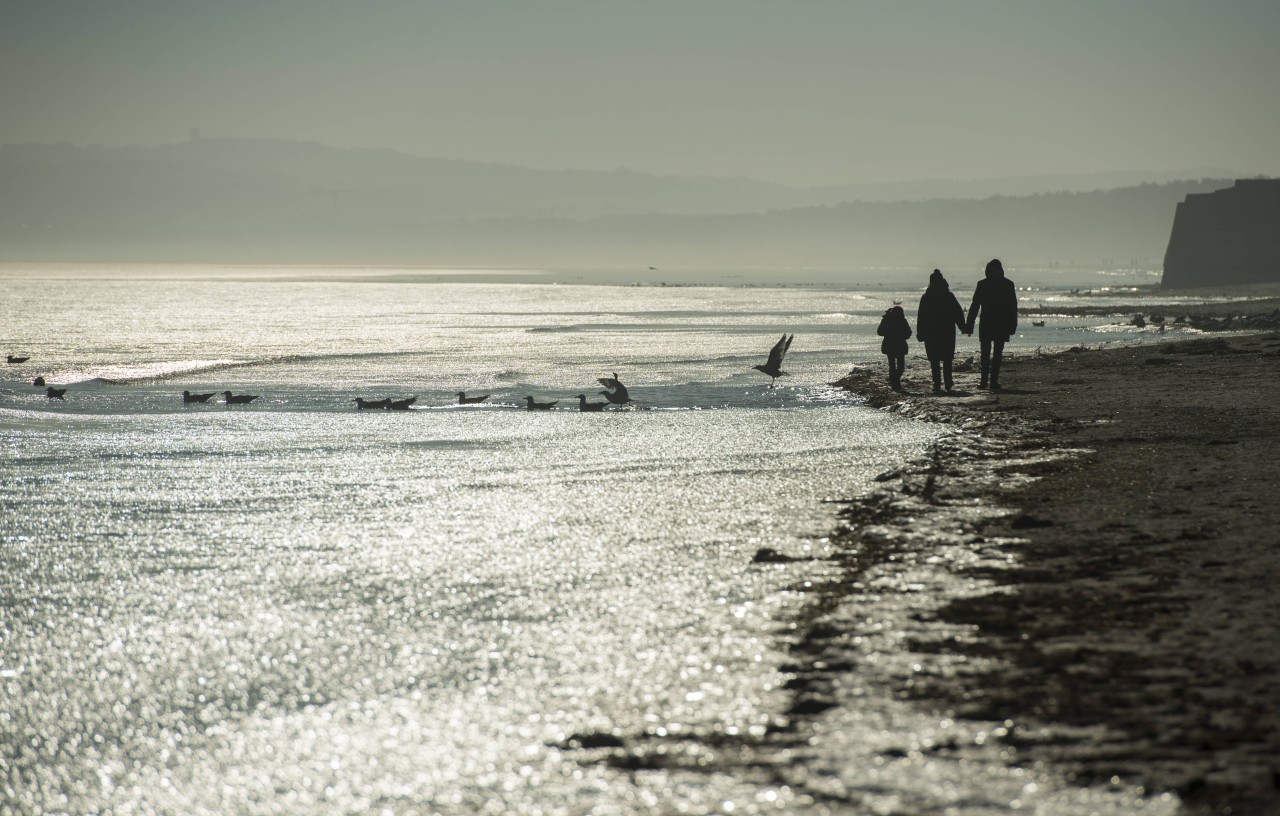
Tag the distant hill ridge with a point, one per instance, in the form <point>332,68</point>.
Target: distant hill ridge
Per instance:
<point>248,200</point>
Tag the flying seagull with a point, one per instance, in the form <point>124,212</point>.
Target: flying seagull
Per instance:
<point>188,397</point>
<point>238,399</point>
<point>583,405</point>
<point>617,393</point>
<point>538,406</point>
<point>463,399</point>
<point>774,367</point>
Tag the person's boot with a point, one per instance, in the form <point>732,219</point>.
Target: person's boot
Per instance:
<point>986,370</point>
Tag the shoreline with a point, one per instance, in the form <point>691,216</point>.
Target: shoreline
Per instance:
<point>1128,633</point>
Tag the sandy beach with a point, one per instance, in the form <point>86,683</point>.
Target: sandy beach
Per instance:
<point>1130,631</point>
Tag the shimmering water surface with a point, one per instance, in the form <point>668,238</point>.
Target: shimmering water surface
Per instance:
<point>296,607</point>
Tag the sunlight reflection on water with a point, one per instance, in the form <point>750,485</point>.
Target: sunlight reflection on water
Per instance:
<point>300,608</point>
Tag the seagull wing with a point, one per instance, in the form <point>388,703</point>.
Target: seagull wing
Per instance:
<point>621,394</point>
<point>611,382</point>
<point>778,351</point>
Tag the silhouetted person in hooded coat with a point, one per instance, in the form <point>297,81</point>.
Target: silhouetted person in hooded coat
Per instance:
<point>896,331</point>
<point>997,302</point>
<point>937,319</point>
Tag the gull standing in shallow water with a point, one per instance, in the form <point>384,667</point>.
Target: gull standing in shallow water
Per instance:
<point>238,399</point>
<point>188,397</point>
<point>538,406</point>
<point>583,405</point>
<point>463,399</point>
<point>55,393</point>
<point>774,367</point>
<point>617,393</point>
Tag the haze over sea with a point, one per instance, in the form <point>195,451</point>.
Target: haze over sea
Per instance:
<point>297,607</point>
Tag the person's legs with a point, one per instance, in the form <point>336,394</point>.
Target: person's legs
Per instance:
<point>897,363</point>
<point>997,356</point>
<point>946,374</point>
<point>985,362</point>
<point>936,365</point>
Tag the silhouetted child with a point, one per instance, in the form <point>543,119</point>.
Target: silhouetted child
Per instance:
<point>896,331</point>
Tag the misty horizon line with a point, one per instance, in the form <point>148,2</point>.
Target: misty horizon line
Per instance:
<point>1116,177</point>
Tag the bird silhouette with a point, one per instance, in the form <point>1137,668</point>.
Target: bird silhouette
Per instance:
<point>188,397</point>
<point>774,366</point>
<point>364,404</point>
<point>538,406</point>
<point>463,399</point>
<point>583,405</point>
<point>617,393</point>
<point>15,360</point>
<point>401,404</point>
<point>55,393</point>
<point>238,399</point>
<point>38,381</point>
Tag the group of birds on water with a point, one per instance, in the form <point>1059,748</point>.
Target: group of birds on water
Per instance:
<point>615,392</point>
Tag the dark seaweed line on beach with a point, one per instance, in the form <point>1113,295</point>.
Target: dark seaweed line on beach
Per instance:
<point>1070,690</point>
<point>819,648</point>
<point>1113,638</point>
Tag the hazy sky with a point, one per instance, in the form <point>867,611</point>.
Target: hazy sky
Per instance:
<point>803,92</point>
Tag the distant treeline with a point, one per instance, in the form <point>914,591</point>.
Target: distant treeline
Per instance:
<point>289,202</point>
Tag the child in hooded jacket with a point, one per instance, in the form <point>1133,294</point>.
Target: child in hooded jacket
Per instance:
<point>896,331</point>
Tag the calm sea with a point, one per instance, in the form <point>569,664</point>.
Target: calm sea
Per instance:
<point>296,607</point>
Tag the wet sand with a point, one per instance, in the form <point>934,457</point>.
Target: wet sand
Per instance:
<point>1124,505</point>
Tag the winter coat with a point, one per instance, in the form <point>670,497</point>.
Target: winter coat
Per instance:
<point>937,319</point>
<point>895,330</point>
<point>997,302</point>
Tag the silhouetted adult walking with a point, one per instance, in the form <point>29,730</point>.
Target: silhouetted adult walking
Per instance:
<point>937,319</point>
<point>997,302</point>
<point>896,331</point>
